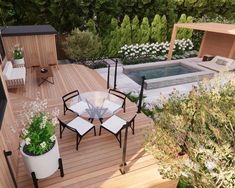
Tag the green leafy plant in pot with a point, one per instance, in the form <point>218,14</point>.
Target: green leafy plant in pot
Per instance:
<point>39,146</point>
<point>18,54</point>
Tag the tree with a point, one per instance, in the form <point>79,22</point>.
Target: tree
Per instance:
<point>82,45</point>
<point>125,31</point>
<point>135,30</point>
<point>164,28</point>
<point>113,40</point>
<point>144,33</point>
<point>184,33</point>
<point>90,25</point>
<point>156,28</point>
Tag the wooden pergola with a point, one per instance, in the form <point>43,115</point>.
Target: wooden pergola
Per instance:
<point>218,39</point>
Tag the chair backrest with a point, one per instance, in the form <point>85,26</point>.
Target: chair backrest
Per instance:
<point>65,125</point>
<point>117,93</point>
<point>69,96</point>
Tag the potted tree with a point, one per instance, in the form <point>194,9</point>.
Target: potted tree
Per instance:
<point>39,146</point>
<point>18,55</point>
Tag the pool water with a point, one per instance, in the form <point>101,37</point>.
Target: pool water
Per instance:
<point>152,73</point>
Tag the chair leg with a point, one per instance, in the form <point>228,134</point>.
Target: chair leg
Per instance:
<point>100,130</point>
<point>60,131</point>
<point>78,141</point>
<point>133,127</point>
<point>94,131</point>
<point>120,139</point>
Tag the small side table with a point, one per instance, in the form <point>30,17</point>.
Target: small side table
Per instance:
<point>44,76</point>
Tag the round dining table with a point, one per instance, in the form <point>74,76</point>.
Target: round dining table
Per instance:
<point>99,104</point>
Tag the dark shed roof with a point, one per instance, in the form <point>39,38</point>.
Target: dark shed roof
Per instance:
<point>28,30</point>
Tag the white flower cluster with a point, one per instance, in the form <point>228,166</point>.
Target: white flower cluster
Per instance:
<point>33,108</point>
<point>154,50</point>
<point>43,123</point>
<point>144,50</point>
<point>183,45</point>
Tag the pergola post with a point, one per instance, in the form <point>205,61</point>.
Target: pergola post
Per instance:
<point>173,37</point>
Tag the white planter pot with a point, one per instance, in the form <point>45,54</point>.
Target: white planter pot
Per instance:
<point>19,61</point>
<point>43,165</point>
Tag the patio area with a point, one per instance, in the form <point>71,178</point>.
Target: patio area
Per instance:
<point>96,163</point>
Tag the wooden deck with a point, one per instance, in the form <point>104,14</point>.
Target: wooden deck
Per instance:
<point>96,163</point>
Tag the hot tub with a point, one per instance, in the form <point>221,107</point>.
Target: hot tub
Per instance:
<point>168,73</point>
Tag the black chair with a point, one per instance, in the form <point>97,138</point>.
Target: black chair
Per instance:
<point>78,107</point>
<point>120,95</point>
<point>115,125</point>
<point>78,125</point>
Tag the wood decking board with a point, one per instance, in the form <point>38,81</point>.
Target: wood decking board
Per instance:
<point>96,163</point>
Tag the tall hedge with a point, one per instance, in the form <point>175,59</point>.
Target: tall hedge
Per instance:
<point>185,33</point>
<point>68,14</point>
<point>135,30</point>
<point>156,26</point>
<point>144,34</point>
<point>125,31</point>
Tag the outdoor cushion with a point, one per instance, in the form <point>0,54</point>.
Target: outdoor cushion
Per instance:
<point>219,64</point>
<point>114,124</point>
<point>81,125</point>
<point>79,107</point>
<point>113,107</point>
<point>18,73</point>
<point>7,70</point>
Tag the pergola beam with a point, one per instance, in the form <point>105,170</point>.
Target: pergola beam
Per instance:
<point>173,37</point>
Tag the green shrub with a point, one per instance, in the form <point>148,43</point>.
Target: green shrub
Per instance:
<point>90,25</point>
<point>135,29</point>
<point>156,26</point>
<point>113,40</point>
<point>144,34</point>
<point>39,133</point>
<point>82,45</point>
<point>125,32</point>
<point>185,33</point>
<point>164,31</point>
<point>199,126</point>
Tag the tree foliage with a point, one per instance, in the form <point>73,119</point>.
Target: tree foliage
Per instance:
<point>68,14</point>
<point>125,31</point>
<point>185,33</point>
<point>135,30</point>
<point>82,45</point>
<point>144,33</point>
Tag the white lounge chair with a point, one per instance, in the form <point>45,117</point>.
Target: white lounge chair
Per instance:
<point>219,64</point>
<point>14,77</point>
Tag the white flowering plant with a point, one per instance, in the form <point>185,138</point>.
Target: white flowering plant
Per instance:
<point>143,53</point>
<point>39,132</point>
<point>18,52</point>
<point>138,53</point>
<point>194,136</point>
<point>183,48</point>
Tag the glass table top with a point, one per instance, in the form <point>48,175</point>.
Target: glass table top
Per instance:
<point>99,104</point>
